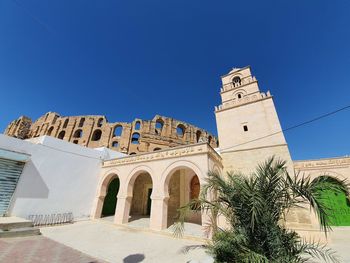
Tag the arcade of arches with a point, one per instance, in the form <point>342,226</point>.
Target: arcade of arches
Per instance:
<point>155,189</point>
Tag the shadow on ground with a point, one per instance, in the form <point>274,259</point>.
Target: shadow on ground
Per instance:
<point>134,258</point>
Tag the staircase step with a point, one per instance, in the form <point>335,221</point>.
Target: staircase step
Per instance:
<point>7,223</point>
<point>20,232</point>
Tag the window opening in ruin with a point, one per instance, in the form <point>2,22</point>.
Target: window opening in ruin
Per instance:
<point>50,131</point>
<point>37,131</point>
<point>239,96</point>
<point>117,131</point>
<point>100,122</point>
<point>135,138</point>
<point>115,144</point>
<point>81,123</point>
<point>75,141</point>
<point>54,119</point>
<point>157,149</point>
<point>180,130</point>
<point>236,81</point>
<point>96,136</point>
<point>209,139</point>
<point>65,124</point>
<point>245,128</point>
<point>61,135</point>
<point>78,134</point>
<point>159,126</point>
<point>137,125</point>
<point>198,135</point>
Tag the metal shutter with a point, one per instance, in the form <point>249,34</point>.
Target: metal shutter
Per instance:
<point>10,172</point>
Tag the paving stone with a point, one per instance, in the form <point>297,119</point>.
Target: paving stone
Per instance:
<point>39,249</point>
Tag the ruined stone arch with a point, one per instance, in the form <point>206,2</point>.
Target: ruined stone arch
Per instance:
<point>159,125</point>
<point>78,133</point>
<point>135,138</point>
<point>96,136</point>
<point>117,130</point>
<point>99,122</point>
<point>49,131</point>
<point>198,135</point>
<point>61,135</point>
<point>181,130</point>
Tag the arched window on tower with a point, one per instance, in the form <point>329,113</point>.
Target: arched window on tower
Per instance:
<point>137,126</point>
<point>209,139</point>
<point>96,136</point>
<point>239,95</point>
<point>236,81</point>
<point>135,138</point>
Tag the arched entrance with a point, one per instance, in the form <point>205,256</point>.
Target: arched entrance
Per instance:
<point>141,202</point>
<point>339,214</point>
<point>110,200</point>
<point>183,187</point>
<point>107,196</point>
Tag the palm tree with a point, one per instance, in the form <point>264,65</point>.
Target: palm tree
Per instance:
<point>255,208</point>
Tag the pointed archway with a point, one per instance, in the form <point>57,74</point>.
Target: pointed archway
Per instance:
<point>110,200</point>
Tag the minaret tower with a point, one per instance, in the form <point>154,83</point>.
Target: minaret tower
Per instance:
<point>249,130</point>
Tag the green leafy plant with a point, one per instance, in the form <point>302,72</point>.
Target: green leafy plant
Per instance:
<point>255,207</point>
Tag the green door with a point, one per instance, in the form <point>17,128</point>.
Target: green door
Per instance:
<point>340,207</point>
<point>110,201</point>
<point>149,201</point>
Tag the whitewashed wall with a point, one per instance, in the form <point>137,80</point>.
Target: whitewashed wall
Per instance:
<point>59,177</point>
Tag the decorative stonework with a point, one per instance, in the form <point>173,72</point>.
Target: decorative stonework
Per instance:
<point>166,154</point>
<point>244,100</point>
<point>322,163</point>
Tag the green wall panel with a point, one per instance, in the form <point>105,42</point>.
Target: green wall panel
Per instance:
<point>340,207</point>
<point>111,198</point>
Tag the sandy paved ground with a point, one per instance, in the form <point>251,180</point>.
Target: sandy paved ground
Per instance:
<point>111,243</point>
<point>101,241</point>
<point>39,249</point>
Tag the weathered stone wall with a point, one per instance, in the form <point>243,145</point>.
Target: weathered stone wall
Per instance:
<point>19,128</point>
<point>95,131</point>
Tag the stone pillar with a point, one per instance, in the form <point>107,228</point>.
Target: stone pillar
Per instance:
<point>99,205</point>
<point>159,213</point>
<point>122,210</point>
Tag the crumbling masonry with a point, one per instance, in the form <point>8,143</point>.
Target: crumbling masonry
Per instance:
<point>95,131</point>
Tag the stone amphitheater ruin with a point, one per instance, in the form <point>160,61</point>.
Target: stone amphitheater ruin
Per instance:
<point>95,131</point>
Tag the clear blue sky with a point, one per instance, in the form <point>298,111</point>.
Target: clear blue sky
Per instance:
<point>128,59</point>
